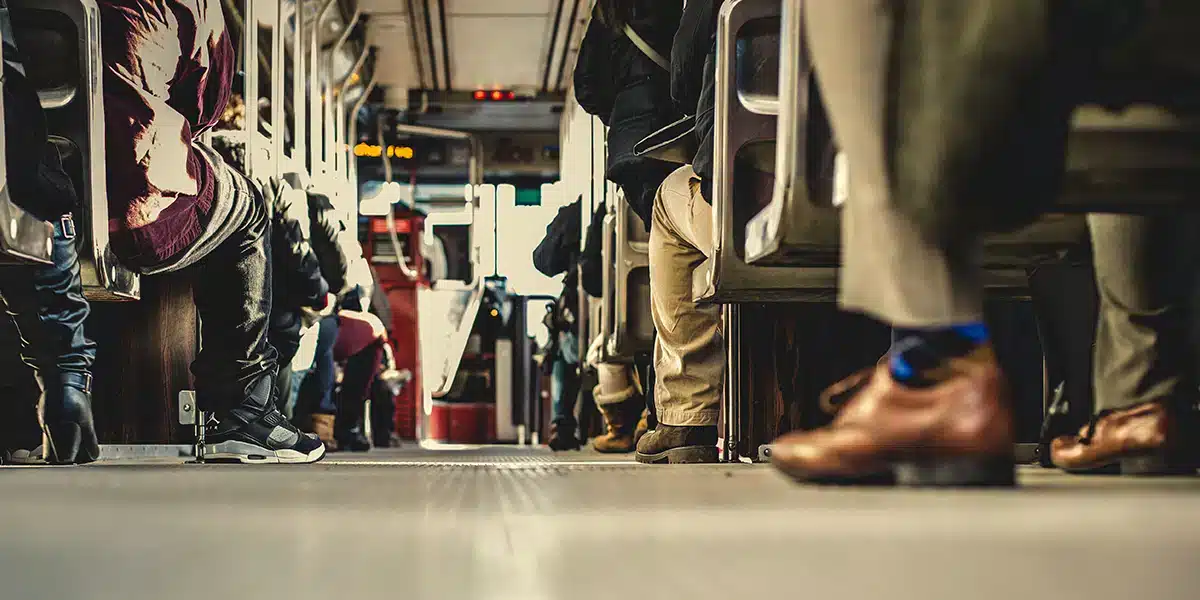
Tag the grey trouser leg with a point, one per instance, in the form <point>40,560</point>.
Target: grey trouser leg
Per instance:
<point>888,270</point>
<point>1142,346</point>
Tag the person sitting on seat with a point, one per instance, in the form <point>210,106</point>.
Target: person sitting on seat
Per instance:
<point>44,302</point>
<point>938,411</point>
<point>174,204</point>
<point>689,357</point>
<point>621,77</point>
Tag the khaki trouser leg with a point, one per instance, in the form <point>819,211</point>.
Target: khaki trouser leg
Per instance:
<point>689,355</point>
<point>1141,339</point>
<point>888,270</point>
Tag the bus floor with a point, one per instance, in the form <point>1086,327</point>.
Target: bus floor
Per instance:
<point>511,523</point>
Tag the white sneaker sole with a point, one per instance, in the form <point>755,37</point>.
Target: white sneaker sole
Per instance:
<point>252,454</point>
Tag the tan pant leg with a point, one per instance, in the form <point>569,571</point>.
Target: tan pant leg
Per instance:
<point>888,270</point>
<point>1141,338</point>
<point>689,355</point>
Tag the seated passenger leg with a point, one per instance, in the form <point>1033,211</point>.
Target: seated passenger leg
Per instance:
<point>1144,395</point>
<point>236,367</point>
<point>175,204</point>
<point>315,408</point>
<point>620,405</point>
<point>689,356</point>
<point>938,413</point>
<point>48,306</point>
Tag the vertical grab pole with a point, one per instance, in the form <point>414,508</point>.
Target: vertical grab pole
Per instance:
<point>250,91</point>
<point>731,401</point>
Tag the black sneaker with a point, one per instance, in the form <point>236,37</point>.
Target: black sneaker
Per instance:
<point>271,439</point>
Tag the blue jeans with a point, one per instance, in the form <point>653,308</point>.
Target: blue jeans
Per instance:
<point>46,302</point>
<point>316,389</point>
<point>564,381</point>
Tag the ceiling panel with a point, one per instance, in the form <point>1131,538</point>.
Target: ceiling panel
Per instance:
<point>492,43</point>
<point>396,65</point>
<point>506,52</point>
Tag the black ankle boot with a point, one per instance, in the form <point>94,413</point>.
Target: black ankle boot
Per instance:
<point>352,441</point>
<point>69,432</point>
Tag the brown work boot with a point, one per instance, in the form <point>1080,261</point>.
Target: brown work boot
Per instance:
<point>620,420</point>
<point>956,433</point>
<point>1143,439</point>
<point>323,425</point>
<point>677,445</point>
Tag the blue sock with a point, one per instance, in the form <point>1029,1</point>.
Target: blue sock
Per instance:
<point>916,351</point>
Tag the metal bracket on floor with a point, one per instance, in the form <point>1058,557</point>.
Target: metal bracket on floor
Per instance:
<point>190,414</point>
<point>764,453</point>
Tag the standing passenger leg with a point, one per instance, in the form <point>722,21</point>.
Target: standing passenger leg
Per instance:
<point>1143,389</point>
<point>938,413</point>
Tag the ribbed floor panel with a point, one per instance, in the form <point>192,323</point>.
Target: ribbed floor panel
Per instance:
<point>513,523</point>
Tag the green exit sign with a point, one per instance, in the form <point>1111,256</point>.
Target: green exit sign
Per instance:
<point>529,197</point>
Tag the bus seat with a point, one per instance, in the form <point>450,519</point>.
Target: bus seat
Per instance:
<point>800,226</point>
<point>633,328</point>
<point>1137,147</point>
<point>23,237</point>
<point>1136,150</point>
<point>746,103</point>
<point>61,40</point>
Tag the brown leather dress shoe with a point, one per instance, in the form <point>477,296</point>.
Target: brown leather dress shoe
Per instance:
<point>1140,440</point>
<point>834,397</point>
<point>957,433</point>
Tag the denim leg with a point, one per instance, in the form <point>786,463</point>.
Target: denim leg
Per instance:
<point>45,336</point>
<point>316,393</point>
<point>564,389</point>
<point>47,304</point>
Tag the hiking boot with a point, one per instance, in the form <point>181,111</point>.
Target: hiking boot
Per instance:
<point>323,426</point>
<point>620,420</point>
<point>269,439</point>
<point>673,444</point>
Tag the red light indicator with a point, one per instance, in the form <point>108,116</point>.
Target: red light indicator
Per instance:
<point>512,95</point>
<point>480,94</point>
<point>497,95</point>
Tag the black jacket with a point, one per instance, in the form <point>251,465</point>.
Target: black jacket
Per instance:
<point>297,272</point>
<point>325,229</point>
<point>693,73</point>
<point>631,94</point>
<point>559,250</point>
<point>591,262</point>
<point>38,183</point>
<point>296,280</point>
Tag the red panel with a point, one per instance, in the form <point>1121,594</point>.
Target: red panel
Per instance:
<point>379,225</point>
<point>462,423</point>
<point>402,297</point>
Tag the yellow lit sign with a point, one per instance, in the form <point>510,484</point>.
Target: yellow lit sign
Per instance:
<point>365,150</point>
